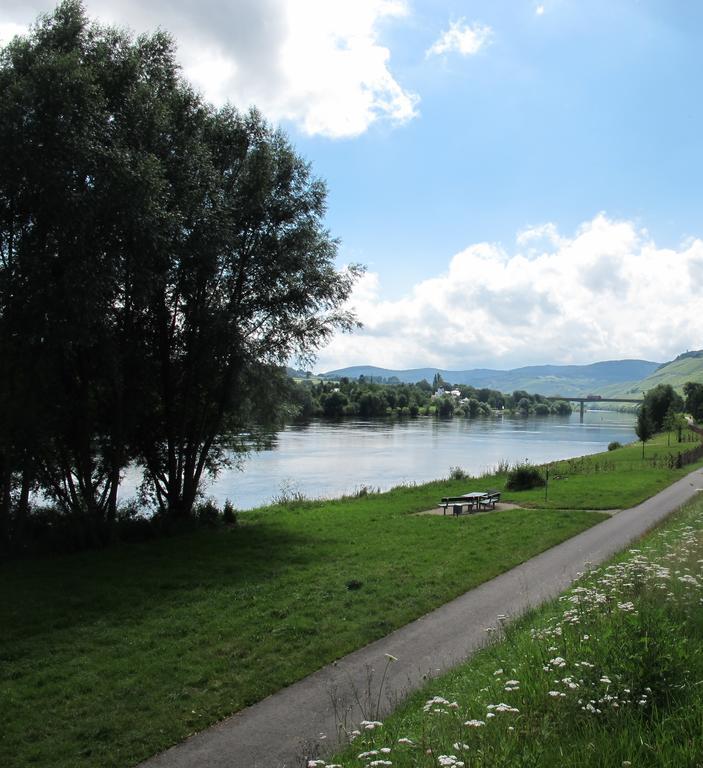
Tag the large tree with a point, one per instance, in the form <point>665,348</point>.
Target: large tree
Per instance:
<point>157,256</point>
<point>252,282</point>
<point>660,401</point>
<point>693,391</point>
<point>644,426</point>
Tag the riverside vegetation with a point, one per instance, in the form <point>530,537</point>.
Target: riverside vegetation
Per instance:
<point>366,398</point>
<point>607,675</point>
<point>107,657</point>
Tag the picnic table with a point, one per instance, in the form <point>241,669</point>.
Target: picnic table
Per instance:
<point>473,501</point>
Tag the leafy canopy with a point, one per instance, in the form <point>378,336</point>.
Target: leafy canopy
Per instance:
<point>159,258</point>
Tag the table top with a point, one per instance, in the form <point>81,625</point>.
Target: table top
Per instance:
<point>474,495</point>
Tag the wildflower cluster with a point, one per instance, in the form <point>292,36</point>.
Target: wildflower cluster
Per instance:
<point>601,656</point>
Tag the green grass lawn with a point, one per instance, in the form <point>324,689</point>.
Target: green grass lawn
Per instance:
<point>613,480</point>
<point>108,657</point>
<point>609,675</point>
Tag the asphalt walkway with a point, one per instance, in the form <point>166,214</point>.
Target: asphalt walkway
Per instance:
<point>300,722</point>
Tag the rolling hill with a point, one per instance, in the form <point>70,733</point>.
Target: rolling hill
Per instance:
<point>686,367</point>
<point>568,380</point>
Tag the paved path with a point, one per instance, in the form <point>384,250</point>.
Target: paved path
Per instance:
<point>280,731</point>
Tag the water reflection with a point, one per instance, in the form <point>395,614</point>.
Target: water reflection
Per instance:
<point>332,458</point>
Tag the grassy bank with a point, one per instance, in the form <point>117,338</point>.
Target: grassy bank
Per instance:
<point>611,674</point>
<point>108,657</point>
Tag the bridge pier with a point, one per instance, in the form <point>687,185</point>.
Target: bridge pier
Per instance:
<point>594,399</point>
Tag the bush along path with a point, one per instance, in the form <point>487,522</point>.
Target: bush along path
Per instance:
<point>305,722</point>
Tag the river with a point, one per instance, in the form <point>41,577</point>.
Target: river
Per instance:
<point>328,459</point>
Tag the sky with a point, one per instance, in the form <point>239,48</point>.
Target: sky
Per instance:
<point>521,179</point>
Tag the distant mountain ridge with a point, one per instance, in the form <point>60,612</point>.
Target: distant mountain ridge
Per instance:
<point>568,380</point>
<point>686,367</point>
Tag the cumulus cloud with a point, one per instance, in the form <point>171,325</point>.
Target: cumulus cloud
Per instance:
<point>10,29</point>
<point>317,63</point>
<point>605,292</point>
<point>461,37</point>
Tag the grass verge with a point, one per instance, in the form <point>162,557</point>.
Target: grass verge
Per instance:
<point>108,657</point>
<point>610,674</point>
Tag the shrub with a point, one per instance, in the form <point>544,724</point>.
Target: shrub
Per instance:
<point>133,524</point>
<point>523,477</point>
<point>457,473</point>
<point>207,513</point>
<point>614,445</point>
<point>229,514</point>
<point>290,495</point>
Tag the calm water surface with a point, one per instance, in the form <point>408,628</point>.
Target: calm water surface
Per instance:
<point>325,459</point>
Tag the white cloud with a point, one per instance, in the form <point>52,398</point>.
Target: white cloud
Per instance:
<point>606,292</point>
<point>317,63</point>
<point>539,10</point>
<point>9,29</point>
<point>461,37</point>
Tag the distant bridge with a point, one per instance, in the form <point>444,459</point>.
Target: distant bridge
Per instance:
<point>596,399</point>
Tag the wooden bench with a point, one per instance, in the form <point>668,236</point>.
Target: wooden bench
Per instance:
<point>490,500</point>
<point>457,503</point>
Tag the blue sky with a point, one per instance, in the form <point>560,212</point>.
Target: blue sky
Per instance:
<point>522,179</point>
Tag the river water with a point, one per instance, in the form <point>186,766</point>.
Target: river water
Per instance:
<point>328,459</point>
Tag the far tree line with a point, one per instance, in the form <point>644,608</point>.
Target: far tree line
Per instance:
<point>366,398</point>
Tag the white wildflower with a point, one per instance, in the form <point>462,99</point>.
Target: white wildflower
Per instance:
<point>450,761</point>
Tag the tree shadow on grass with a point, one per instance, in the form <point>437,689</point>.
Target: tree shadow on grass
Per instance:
<point>121,585</point>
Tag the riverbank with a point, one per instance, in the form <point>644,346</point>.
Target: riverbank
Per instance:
<point>109,657</point>
<point>606,675</point>
<point>329,459</point>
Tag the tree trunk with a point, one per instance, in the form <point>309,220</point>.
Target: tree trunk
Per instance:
<point>23,503</point>
<point>5,501</point>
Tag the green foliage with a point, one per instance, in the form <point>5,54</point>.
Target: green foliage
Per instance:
<point>207,513</point>
<point>693,392</point>
<point>368,398</point>
<point>334,404</point>
<point>445,406</point>
<point>644,427</point>
<point>160,259</point>
<point>229,513</point>
<point>562,407</point>
<point>660,402</point>
<point>614,445</point>
<point>523,477</point>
